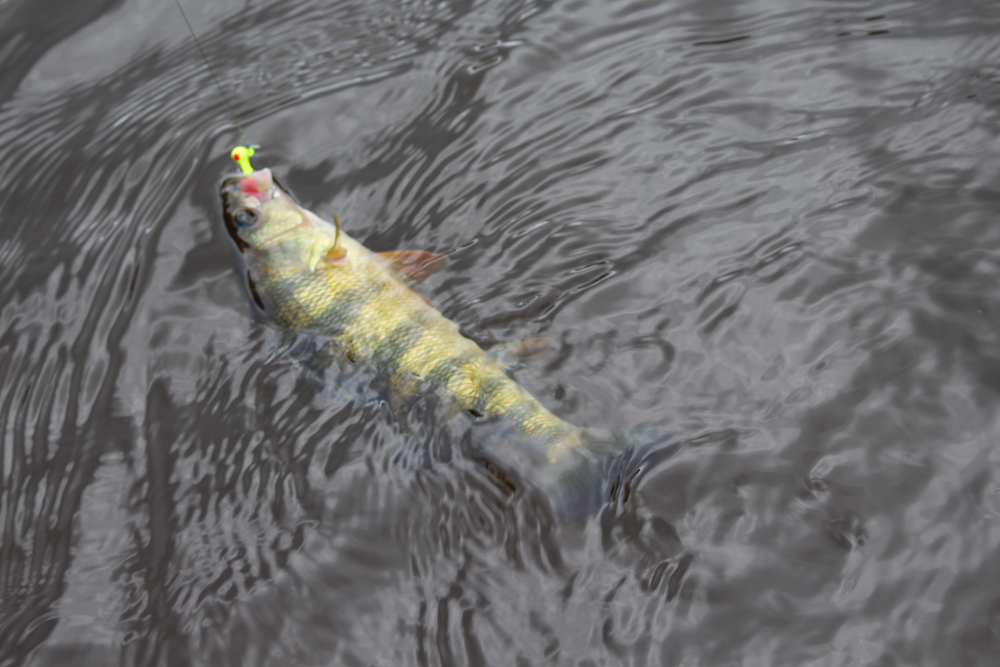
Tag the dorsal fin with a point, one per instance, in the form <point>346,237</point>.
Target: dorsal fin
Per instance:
<point>530,349</point>
<point>414,265</point>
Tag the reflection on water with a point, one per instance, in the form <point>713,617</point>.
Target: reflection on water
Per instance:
<point>769,226</point>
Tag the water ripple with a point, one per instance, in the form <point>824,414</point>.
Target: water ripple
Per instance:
<point>766,225</point>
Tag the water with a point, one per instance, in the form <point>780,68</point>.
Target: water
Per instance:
<point>768,226</point>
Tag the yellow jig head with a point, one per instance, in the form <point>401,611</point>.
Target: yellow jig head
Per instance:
<point>242,155</point>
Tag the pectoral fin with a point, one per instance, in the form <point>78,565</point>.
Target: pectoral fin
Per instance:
<point>414,265</point>
<point>319,250</point>
<point>530,349</point>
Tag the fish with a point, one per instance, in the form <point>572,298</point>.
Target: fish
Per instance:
<point>310,278</point>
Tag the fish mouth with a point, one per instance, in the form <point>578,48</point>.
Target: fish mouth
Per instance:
<point>242,193</point>
<point>258,185</point>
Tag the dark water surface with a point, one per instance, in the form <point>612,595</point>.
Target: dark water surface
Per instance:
<point>770,226</point>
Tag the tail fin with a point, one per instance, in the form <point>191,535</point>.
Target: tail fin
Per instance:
<point>579,480</point>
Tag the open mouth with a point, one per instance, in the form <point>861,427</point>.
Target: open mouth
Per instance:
<point>259,185</point>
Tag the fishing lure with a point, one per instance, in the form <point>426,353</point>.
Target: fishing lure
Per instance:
<point>242,155</point>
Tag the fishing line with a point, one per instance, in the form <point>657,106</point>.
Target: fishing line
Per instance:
<point>241,153</point>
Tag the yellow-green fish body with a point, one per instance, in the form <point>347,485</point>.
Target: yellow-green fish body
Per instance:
<point>309,277</point>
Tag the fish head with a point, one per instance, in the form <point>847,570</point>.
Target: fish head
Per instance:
<point>265,222</point>
<point>257,211</point>
<point>277,242</point>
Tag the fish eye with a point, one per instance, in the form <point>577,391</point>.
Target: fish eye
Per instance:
<point>246,218</point>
